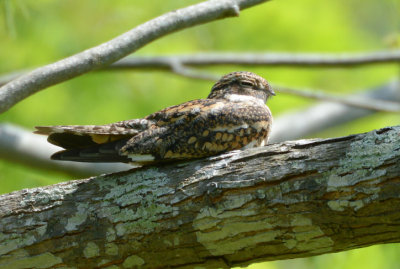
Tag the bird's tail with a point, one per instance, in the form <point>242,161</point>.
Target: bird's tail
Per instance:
<point>87,143</point>
<point>78,136</point>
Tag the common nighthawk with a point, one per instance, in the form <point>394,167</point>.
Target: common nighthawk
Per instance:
<point>233,116</point>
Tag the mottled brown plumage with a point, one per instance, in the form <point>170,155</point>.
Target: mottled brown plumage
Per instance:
<point>233,116</point>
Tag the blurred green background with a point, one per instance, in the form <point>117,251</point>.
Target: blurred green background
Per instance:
<point>35,33</point>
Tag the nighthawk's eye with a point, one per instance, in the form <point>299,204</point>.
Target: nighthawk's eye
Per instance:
<point>245,83</point>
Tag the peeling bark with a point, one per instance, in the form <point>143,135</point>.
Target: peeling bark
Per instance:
<point>287,200</point>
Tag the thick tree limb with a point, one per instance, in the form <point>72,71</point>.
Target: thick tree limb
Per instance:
<point>119,47</point>
<point>288,200</point>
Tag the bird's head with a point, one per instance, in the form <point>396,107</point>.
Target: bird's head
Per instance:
<point>241,83</point>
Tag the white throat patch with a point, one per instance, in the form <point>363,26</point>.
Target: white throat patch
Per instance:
<point>243,98</point>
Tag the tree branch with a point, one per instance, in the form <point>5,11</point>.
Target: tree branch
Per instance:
<point>179,65</point>
<point>119,47</point>
<point>247,59</point>
<point>258,58</point>
<point>358,101</point>
<point>302,123</point>
<point>288,200</point>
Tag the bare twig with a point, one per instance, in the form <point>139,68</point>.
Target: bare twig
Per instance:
<point>179,69</point>
<point>355,101</point>
<point>302,123</point>
<point>179,65</point>
<point>118,47</point>
<point>248,59</point>
<point>263,59</point>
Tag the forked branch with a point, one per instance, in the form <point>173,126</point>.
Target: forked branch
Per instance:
<point>117,48</point>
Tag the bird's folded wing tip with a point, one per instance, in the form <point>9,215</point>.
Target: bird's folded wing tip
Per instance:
<point>43,130</point>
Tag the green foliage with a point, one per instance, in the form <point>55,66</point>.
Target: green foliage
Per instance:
<point>382,256</point>
<point>35,33</point>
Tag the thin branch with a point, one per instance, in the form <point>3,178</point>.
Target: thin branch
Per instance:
<point>248,59</point>
<point>321,116</point>
<point>179,65</point>
<point>117,48</point>
<point>181,70</point>
<point>355,101</point>
<point>262,59</point>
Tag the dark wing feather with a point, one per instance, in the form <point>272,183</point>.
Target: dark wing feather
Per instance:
<point>69,140</point>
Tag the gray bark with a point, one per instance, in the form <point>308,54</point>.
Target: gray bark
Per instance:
<point>288,200</point>
<point>262,59</point>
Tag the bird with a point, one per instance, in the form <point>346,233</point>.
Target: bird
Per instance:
<point>233,116</point>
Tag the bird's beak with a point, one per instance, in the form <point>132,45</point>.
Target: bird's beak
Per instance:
<point>271,91</point>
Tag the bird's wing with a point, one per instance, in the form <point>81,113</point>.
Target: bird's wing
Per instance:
<point>102,143</point>
<point>199,128</point>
